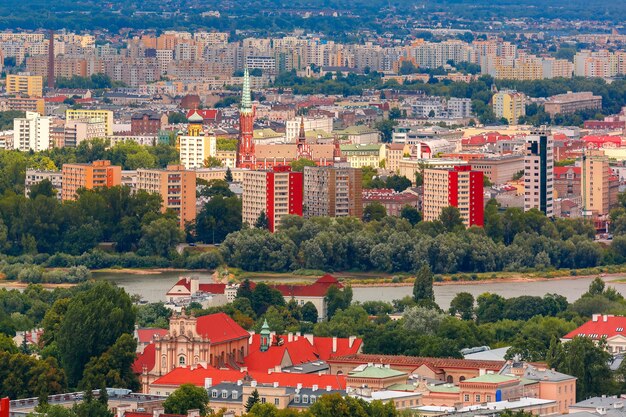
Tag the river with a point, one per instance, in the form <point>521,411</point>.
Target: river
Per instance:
<point>152,287</point>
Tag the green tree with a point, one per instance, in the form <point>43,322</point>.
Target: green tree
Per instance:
<point>229,175</point>
<point>490,308</point>
<point>212,162</point>
<point>374,211</point>
<point>187,397</point>
<point>113,367</point>
<point>411,214</point>
<point>299,164</point>
<point>386,129</point>
<point>160,237</point>
<point>463,304</point>
<point>423,285</point>
<point>262,222</point>
<point>309,312</point>
<point>337,299</point>
<point>450,218</point>
<point>43,188</point>
<point>219,217</point>
<point>252,400</point>
<point>398,182</point>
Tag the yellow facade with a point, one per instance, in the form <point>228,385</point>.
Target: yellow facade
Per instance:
<point>510,105</point>
<point>31,85</point>
<point>105,116</point>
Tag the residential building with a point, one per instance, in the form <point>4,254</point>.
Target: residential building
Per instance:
<point>31,132</point>
<point>105,116</point>
<point>77,131</point>
<point>572,102</point>
<point>24,104</point>
<point>175,185</point>
<point>394,153</point>
<point>35,176</point>
<point>292,127</point>
<point>147,123</point>
<point>460,187</point>
<point>539,173</point>
<point>359,156</point>
<point>595,182</point>
<point>196,146</point>
<point>509,105</point>
<point>459,108</point>
<point>567,181</point>
<point>601,327</point>
<point>332,191</point>
<point>89,176</point>
<point>24,83</point>
<point>275,192</point>
<point>359,134</point>
<point>392,200</point>
<point>499,169</point>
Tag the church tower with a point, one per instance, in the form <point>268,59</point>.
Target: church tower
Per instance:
<point>245,147</point>
<point>304,150</point>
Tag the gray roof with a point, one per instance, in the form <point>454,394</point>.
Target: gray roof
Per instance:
<point>596,402</point>
<point>233,392</point>
<point>537,374</point>
<point>488,355</point>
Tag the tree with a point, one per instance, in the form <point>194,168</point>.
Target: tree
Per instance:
<point>309,312</point>
<point>374,211</point>
<point>490,308</point>
<point>159,237</point>
<point>229,175</point>
<point>212,162</point>
<point>43,188</point>
<point>411,214</point>
<point>114,367</point>
<point>463,304</point>
<point>94,320</point>
<point>219,217</point>
<point>422,320</point>
<point>252,400</point>
<point>386,129</point>
<point>262,222</point>
<point>423,286</point>
<point>450,218</point>
<point>187,397</point>
<point>398,183</point>
<point>299,164</point>
<point>337,299</point>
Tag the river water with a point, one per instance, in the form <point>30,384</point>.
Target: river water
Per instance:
<point>152,287</point>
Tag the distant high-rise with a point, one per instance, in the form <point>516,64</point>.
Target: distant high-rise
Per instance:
<point>333,191</point>
<point>595,183</point>
<point>539,173</point>
<point>51,60</point>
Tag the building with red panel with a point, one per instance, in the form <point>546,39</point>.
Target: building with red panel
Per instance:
<point>275,192</point>
<point>245,148</point>
<point>460,187</point>
<point>4,407</point>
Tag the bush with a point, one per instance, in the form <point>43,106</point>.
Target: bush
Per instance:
<point>206,260</point>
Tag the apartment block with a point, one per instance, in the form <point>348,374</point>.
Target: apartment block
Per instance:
<point>278,192</point>
<point>24,83</point>
<point>460,187</point>
<point>500,169</point>
<point>175,185</point>
<point>539,173</point>
<point>35,176</point>
<point>572,102</point>
<point>18,103</point>
<point>292,129</point>
<point>31,132</point>
<point>510,105</point>
<point>77,131</point>
<point>595,183</point>
<point>333,191</point>
<point>105,116</point>
<point>89,176</point>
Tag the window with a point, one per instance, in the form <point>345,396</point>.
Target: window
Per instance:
<point>181,361</point>
<point>214,393</point>
<point>224,394</point>
<point>477,398</point>
<point>305,399</point>
<point>488,398</point>
<point>312,399</point>
<point>466,397</point>
<point>263,400</point>
<point>235,395</point>
<point>296,399</point>
<point>276,401</point>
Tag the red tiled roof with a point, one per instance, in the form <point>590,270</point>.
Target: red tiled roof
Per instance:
<point>197,376</point>
<point>146,358</point>
<point>145,335</point>
<point>219,328</point>
<point>318,289</point>
<point>141,414</point>
<point>56,99</point>
<point>564,170</point>
<point>210,114</point>
<point>600,326</point>
<point>418,361</point>
<point>212,288</point>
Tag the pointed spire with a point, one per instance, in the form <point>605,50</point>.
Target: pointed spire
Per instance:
<point>246,98</point>
<point>302,135</point>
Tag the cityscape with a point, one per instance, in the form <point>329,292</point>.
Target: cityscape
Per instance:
<point>313,209</point>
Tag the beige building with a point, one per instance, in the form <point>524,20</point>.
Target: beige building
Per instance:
<point>409,167</point>
<point>35,176</point>
<point>77,131</point>
<point>395,153</point>
<point>175,185</point>
<point>572,102</point>
<point>333,191</point>
<point>24,83</point>
<point>509,105</point>
<point>194,150</point>
<point>105,116</point>
<point>208,174</point>
<point>499,169</point>
<point>359,156</point>
<point>292,128</point>
<point>595,182</point>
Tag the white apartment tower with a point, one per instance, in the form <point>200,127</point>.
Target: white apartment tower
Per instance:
<point>31,132</point>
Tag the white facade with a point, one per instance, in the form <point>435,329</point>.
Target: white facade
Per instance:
<point>195,149</point>
<point>319,123</point>
<point>31,132</point>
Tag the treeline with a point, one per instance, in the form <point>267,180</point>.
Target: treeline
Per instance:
<point>512,240</point>
<point>92,82</point>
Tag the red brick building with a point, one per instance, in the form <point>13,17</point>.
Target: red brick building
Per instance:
<point>146,123</point>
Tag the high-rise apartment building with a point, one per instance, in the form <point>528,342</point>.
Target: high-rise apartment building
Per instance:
<point>277,193</point>
<point>175,185</point>
<point>333,191</point>
<point>459,187</point>
<point>510,105</point>
<point>89,176</point>
<point>595,182</point>
<point>24,83</point>
<point>31,132</point>
<point>539,173</point>
<point>195,147</point>
<point>105,116</point>
<point>77,131</point>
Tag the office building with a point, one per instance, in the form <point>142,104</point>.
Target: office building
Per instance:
<point>175,185</point>
<point>499,169</point>
<point>509,105</point>
<point>31,133</point>
<point>332,191</point>
<point>277,193</point>
<point>105,116</point>
<point>572,102</point>
<point>459,186</point>
<point>539,173</point>
<point>24,83</point>
<point>89,176</point>
<point>595,182</point>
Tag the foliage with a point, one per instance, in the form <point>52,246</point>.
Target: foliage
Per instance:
<point>299,164</point>
<point>187,397</point>
<point>423,286</point>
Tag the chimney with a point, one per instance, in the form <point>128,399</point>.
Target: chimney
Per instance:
<point>208,383</point>
<point>299,385</point>
<point>251,336</point>
<point>275,384</point>
<point>328,388</point>
<point>239,382</point>
<point>334,344</point>
<point>195,284</point>
<point>253,384</point>
<point>351,341</point>
<point>289,337</point>
<point>605,318</point>
<point>193,413</point>
<point>157,412</point>
<point>315,387</point>
<point>595,317</point>
<point>309,337</point>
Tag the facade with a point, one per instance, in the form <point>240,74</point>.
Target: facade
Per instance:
<point>572,102</point>
<point>359,156</point>
<point>147,123</point>
<point>24,83</point>
<point>332,191</point>
<point>25,104</point>
<point>31,133</point>
<point>276,193</point>
<point>509,105</point>
<point>595,182</point>
<point>175,185</point>
<point>459,187</point>
<point>600,327</point>
<point>396,152</point>
<point>105,116</point>
<point>539,173</point>
<point>35,176</point>
<point>392,200</point>
<point>89,176</point>
<point>567,181</point>
<point>77,131</point>
<point>292,127</point>
<point>195,147</point>
<point>500,169</point>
